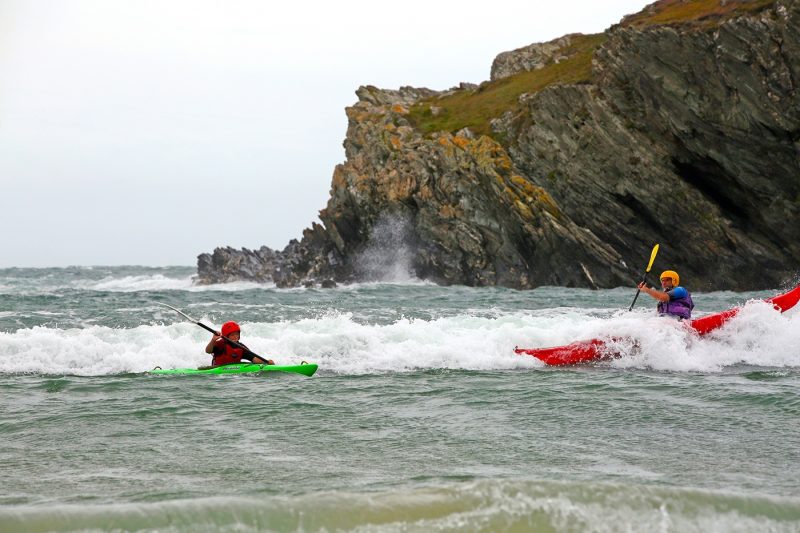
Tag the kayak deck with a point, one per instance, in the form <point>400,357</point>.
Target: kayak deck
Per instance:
<point>307,369</point>
<point>596,349</point>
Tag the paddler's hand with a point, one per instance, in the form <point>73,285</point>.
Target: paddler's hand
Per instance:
<point>647,290</point>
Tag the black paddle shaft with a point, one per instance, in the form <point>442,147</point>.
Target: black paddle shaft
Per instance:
<point>233,342</point>
<point>644,278</point>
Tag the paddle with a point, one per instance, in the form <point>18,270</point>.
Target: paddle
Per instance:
<point>649,266</point>
<point>237,344</point>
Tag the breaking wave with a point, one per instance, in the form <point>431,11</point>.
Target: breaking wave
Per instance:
<point>488,505</point>
<point>342,344</point>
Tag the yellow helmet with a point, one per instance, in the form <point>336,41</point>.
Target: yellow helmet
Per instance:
<point>676,279</point>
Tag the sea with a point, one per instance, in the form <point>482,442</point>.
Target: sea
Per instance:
<point>421,418</point>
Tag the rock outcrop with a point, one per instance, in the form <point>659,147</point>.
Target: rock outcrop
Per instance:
<point>678,126</point>
<point>532,57</point>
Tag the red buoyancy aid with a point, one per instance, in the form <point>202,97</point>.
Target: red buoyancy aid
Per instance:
<point>226,353</point>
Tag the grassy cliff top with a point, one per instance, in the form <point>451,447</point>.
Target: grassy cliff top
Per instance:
<point>702,13</point>
<point>476,108</point>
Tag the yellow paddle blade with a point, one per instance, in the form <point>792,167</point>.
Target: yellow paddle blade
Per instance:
<point>652,258</point>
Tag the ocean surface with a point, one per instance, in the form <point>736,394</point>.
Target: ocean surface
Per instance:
<point>420,418</point>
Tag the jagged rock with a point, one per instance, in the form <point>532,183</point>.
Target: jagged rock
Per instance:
<point>227,264</point>
<point>686,134</point>
<point>531,57</point>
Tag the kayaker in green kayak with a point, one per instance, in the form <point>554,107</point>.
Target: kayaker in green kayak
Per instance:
<point>225,353</point>
<point>673,300</point>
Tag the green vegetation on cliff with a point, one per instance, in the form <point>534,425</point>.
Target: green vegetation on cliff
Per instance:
<point>475,108</point>
<point>703,13</point>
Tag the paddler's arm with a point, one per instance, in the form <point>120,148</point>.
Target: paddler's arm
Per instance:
<point>257,359</point>
<point>212,342</point>
<point>661,296</point>
<point>250,356</point>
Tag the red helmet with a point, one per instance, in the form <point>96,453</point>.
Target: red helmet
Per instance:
<point>230,327</point>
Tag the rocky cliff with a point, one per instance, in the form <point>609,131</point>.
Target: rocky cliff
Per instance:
<point>680,125</point>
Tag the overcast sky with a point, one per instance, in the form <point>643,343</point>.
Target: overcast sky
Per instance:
<point>147,132</point>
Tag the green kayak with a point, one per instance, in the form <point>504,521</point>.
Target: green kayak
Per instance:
<point>306,369</point>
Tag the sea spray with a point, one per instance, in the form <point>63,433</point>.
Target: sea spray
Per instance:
<point>388,255</point>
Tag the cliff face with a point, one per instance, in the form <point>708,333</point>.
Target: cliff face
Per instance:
<point>681,126</point>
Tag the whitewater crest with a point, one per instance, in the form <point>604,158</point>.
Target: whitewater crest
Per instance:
<point>485,505</point>
<point>342,344</point>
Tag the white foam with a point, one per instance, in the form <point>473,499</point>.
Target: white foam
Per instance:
<point>116,282</point>
<point>159,282</point>
<point>410,281</point>
<point>483,505</point>
<point>757,336</point>
<point>154,282</point>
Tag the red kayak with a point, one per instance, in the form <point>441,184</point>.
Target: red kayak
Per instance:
<point>595,349</point>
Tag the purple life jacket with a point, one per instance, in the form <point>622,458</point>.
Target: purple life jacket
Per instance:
<point>680,307</point>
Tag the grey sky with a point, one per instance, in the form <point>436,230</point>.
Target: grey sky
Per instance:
<point>147,132</point>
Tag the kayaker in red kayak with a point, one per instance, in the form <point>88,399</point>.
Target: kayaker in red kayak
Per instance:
<point>673,300</point>
<point>226,353</point>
